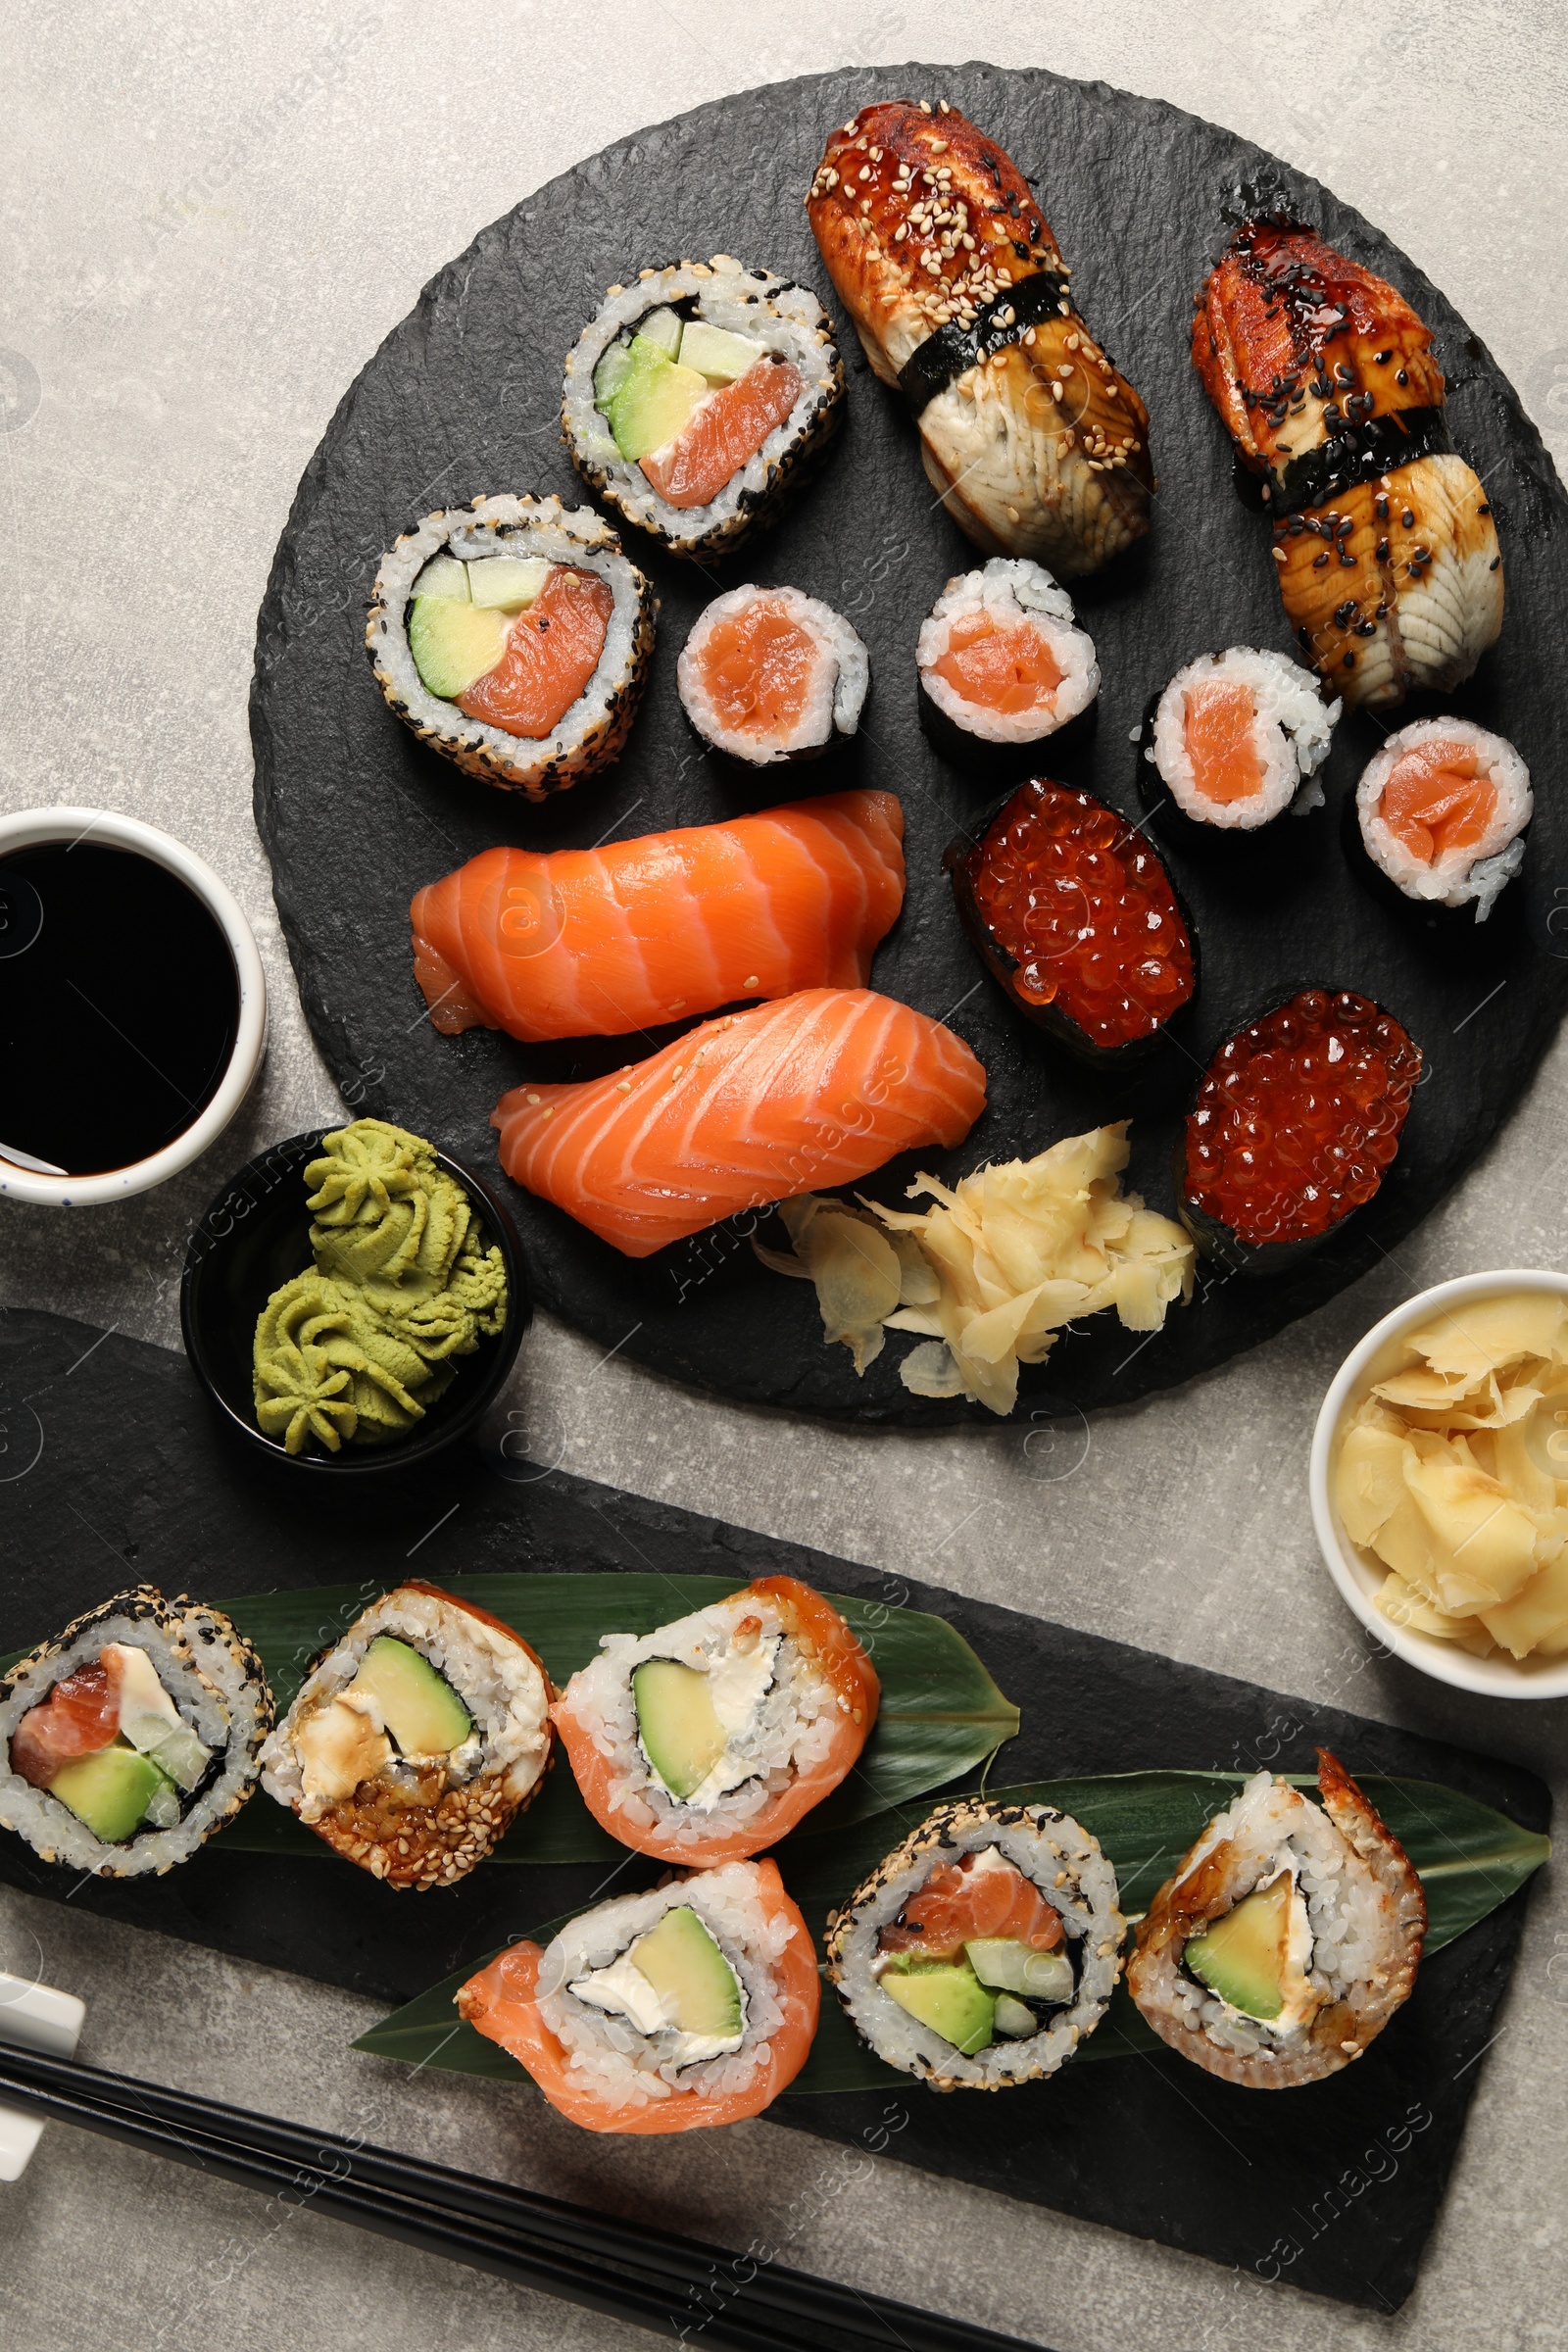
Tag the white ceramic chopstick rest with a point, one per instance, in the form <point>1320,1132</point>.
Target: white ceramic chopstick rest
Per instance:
<point>33,2017</point>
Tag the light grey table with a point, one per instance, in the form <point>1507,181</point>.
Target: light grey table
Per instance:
<point>212,216</point>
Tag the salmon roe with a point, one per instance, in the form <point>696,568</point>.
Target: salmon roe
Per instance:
<point>1298,1116</point>
<point>1081,903</point>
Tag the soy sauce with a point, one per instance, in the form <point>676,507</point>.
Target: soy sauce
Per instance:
<point>118,1006</point>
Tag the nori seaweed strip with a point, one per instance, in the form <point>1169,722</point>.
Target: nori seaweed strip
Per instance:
<point>955,349</point>
<point>1357,453</point>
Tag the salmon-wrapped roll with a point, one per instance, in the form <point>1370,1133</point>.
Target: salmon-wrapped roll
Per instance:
<point>944,260</point>
<point>1384,540</point>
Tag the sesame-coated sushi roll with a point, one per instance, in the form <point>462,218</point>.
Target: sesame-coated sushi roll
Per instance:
<point>1002,663</point>
<point>1287,1939</point>
<point>696,400</point>
<point>769,675</point>
<point>691,2005</point>
<point>132,1737</point>
<point>514,637</point>
<point>417,1738</point>
<point>710,1738</point>
<point>1442,810</point>
<point>1236,739</point>
<point>983,1949</point>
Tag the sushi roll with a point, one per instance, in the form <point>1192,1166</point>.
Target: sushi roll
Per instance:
<point>1287,1939</point>
<point>1385,545</point>
<point>769,675</point>
<point>127,1742</point>
<point>696,399</point>
<point>1236,739</point>
<point>515,638</point>
<point>983,1949</point>
<point>1442,810</point>
<point>1034,442</point>
<point>693,2004</point>
<point>1002,663</point>
<point>710,1738</point>
<point>417,1738</point>
<point>1296,1122</point>
<point>1077,919</point>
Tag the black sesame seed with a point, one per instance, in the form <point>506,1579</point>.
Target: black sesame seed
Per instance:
<point>1492,566</point>
<point>1349,660</point>
<point>1383,551</point>
<point>1408,519</point>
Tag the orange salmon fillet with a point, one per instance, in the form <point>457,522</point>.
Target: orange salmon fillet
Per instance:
<point>959,1903</point>
<point>796,1096</point>
<point>1436,800</point>
<point>1003,669</point>
<point>730,425</point>
<point>1218,732</point>
<point>597,942</point>
<point>551,651</point>
<point>758,667</point>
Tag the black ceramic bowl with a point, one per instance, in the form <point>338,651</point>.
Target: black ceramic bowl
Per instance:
<point>256,1237</point>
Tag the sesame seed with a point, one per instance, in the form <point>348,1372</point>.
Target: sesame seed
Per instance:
<point>623,1086</point>
<point>533,1098</point>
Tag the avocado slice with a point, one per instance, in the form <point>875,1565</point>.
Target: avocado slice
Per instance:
<point>700,1991</point>
<point>444,575</point>
<point>948,1998</point>
<point>714,352</point>
<point>418,1706</point>
<point>682,1736</point>
<point>661,327</point>
<point>654,400</point>
<point>1008,1967</point>
<point>110,1792</point>
<point>453,644</point>
<point>507,583</point>
<point>1243,1956</point>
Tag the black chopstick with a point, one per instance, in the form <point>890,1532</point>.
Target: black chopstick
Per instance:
<point>700,2294</point>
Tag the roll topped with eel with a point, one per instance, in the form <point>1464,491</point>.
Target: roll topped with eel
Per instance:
<point>1384,540</point>
<point>944,260</point>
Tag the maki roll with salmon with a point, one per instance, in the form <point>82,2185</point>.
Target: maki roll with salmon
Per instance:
<point>983,1949</point>
<point>711,1736</point>
<point>1384,540</point>
<point>1287,1939</point>
<point>515,638</point>
<point>941,254</point>
<point>1296,1122</point>
<point>127,1742</point>
<point>1003,664</point>
<point>1442,810</point>
<point>417,1738</point>
<point>1077,919</point>
<point>1235,740</point>
<point>769,675</point>
<point>691,2005</point>
<point>696,399</point>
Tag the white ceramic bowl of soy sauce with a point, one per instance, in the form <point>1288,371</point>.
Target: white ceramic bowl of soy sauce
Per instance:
<point>132,1007</point>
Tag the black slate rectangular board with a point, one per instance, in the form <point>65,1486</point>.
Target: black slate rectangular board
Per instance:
<point>113,1468</point>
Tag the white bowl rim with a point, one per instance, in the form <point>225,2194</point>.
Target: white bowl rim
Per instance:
<point>1496,1677</point>
<point>27,828</point>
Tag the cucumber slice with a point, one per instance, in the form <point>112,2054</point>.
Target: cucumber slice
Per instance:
<point>444,575</point>
<point>611,374</point>
<point>715,352</point>
<point>661,327</point>
<point>1008,1967</point>
<point>1014,2019</point>
<point>507,583</point>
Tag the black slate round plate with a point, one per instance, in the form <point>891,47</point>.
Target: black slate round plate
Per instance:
<point>461,398</point>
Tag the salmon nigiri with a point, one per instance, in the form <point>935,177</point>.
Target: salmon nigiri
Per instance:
<point>691,2005</point>
<point>796,1096</point>
<point>597,942</point>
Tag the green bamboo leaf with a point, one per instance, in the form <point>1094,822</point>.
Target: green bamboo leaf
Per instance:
<point>1470,1859</point>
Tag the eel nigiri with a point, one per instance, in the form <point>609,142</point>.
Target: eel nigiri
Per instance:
<point>796,1096</point>
<point>595,943</point>
<point>1384,540</point>
<point>943,258</point>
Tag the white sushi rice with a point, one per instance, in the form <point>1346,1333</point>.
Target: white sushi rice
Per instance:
<point>607,2056</point>
<point>1059,1858</point>
<point>1459,877</point>
<point>838,688</point>
<point>1294,730</point>
<point>1013,594</point>
<point>790,1731</point>
<point>500,1683</point>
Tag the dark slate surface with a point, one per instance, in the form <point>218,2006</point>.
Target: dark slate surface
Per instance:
<point>114,1465</point>
<point>462,399</point>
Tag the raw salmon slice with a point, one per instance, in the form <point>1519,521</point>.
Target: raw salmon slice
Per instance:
<point>1437,799</point>
<point>1220,733</point>
<point>798,1097</point>
<point>729,426</point>
<point>1008,670</point>
<point>758,667</point>
<point>597,942</point>
<point>81,1716</point>
<point>551,652</point>
<point>959,1903</point>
